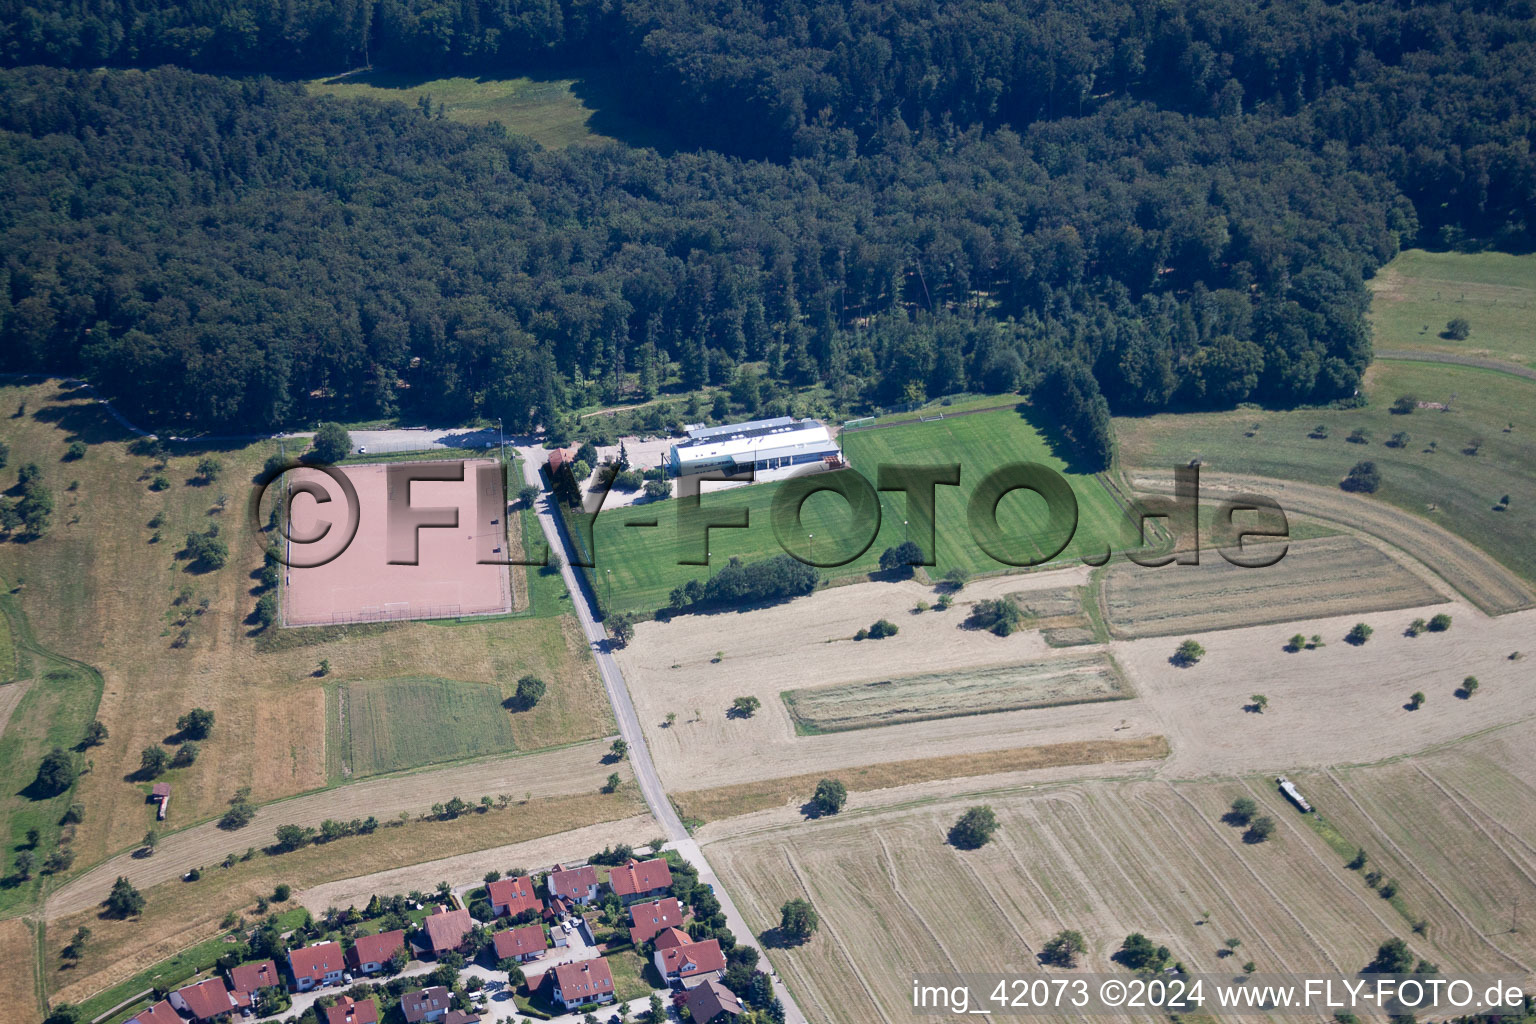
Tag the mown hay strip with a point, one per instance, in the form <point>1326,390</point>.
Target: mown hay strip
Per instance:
<point>746,797</point>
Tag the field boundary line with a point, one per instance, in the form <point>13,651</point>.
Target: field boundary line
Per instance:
<point>1214,878</point>
<point>1459,794</point>
<point>1413,866</point>
<point>1407,355</point>
<point>789,858</point>
<point>1290,824</point>
<point>1476,824</point>
<point>890,870</point>
<point>1237,856</point>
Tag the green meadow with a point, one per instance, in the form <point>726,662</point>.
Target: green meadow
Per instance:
<point>1419,292</point>
<point>637,567</point>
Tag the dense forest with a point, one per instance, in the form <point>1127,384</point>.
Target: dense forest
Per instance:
<point>1155,205</point>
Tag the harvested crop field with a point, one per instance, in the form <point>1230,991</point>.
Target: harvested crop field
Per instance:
<point>391,724</point>
<point>1065,679</point>
<point>749,797</point>
<point>694,666</point>
<point>1106,859</point>
<point>1327,576</point>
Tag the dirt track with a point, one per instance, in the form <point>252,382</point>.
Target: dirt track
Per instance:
<point>574,769</point>
<point>1474,574</point>
<point>534,854</point>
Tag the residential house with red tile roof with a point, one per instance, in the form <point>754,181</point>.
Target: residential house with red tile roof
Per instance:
<point>425,1004</point>
<point>649,919</point>
<point>461,1017</point>
<point>347,1010</point>
<point>510,897</point>
<point>691,963</point>
<point>446,929</point>
<point>671,937</point>
<point>161,1013</point>
<point>248,979</point>
<point>707,1001</point>
<point>640,879</point>
<point>580,983</point>
<point>578,884</point>
<point>317,965</point>
<point>207,1000</point>
<point>520,944</point>
<point>370,953</point>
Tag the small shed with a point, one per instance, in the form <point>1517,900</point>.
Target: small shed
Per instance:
<point>161,795</point>
<point>1293,794</point>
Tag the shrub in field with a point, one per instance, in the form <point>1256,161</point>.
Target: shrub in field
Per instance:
<point>1189,653</point>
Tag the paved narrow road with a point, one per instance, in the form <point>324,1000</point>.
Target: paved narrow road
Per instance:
<point>629,724</point>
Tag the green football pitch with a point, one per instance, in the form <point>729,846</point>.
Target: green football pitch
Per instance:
<point>637,567</point>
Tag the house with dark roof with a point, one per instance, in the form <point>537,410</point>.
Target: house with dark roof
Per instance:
<point>446,929</point>
<point>691,963</point>
<point>206,1000</point>
<point>520,944</point>
<point>370,953</point>
<point>246,980</point>
<point>425,1004</point>
<point>649,919</point>
<point>317,965</point>
<point>510,897</point>
<point>580,983</point>
<point>161,1013</point>
<point>576,884</point>
<point>640,879</point>
<point>710,1000</point>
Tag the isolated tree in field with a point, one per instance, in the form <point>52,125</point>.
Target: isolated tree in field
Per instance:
<point>883,628</point>
<point>1296,643</point>
<point>58,771</point>
<point>1259,830</point>
<point>1469,686</point>
<point>207,551</point>
<point>1001,615</point>
<point>124,900</point>
<point>1242,811</point>
<point>209,468</point>
<point>1063,948</point>
<point>956,578</point>
<point>186,754</point>
<point>1392,957</point>
<point>1358,634</point>
<point>1316,641</point>
<point>196,724</point>
<point>1458,329</point>
<point>1359,860</point>
<point>153,761</point>
<point>530,690</point>
<point>1359,436</point>
<point>798,920</point>
<point>830,796</point>
<point>1189,653</point>
<point>613,783</point>
<point>1440,623</point>
<point>281,892</point>
<point>1363,478</point>
<point>671,719</point>
<point>622,627</point>
<point>901,558</point>
<point>618,750</point>
<point>25,861</point>
<point>1404,405</point>
<point>745,707</point>
<point>1416,701</point>
<point>151,841</point>
<point>1259,702</point>
<point>1400,439</point>
<point>974,829</point>
<point>332,443</point>
<point>1140,954</point>
<point>1415,627</point>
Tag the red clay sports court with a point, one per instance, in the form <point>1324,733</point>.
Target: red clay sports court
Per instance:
<point>359,585</point>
